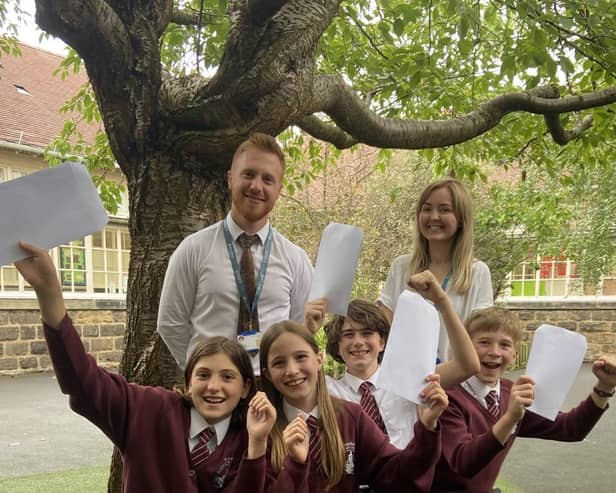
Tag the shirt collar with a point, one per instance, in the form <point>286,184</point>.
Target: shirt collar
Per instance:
<point>198,423</point>
<point>236,231</point>
<point>292,412</point>
<point>354,382</point>
<point>480,389</point>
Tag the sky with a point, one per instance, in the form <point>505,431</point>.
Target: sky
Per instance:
<point>29,32</point>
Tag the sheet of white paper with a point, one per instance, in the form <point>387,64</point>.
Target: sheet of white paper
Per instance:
<point>410,354</point>
<point>336,265</point>
<point>48,208</point>
<point>555,358</point>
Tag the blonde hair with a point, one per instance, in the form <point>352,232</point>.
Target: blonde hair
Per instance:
<point>332,446</point>
<point>493,319</point>
<point>462,248</point>
<point>263,142</point>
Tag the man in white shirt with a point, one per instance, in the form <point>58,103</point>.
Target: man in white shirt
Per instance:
<point>204,289</point>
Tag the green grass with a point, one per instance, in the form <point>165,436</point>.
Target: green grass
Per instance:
<point>94,480</point>
<point>506,486</point>
<point>90,479</point>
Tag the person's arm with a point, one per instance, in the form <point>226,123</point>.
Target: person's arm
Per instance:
<point>604,369</point>
<point>393,286</point>
<point>177,301</point>
<point>314,313</point>
<point>481,287</point>
<point>38,270</point>
<point>465,362</point>
<point>521,396</point>
<point>260,419</point>
<point>300,289</point>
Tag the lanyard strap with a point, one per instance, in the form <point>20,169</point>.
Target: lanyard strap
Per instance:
<point>446,281</point>
<point>267,248</point>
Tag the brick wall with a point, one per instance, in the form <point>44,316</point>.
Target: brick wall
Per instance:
<point>100,324</point>
<point>594,319</point>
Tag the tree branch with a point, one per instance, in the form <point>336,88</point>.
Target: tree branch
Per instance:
<point>259,11</point>
<point>338,100</point>
<point>326,132</point>
<point>191,17</point>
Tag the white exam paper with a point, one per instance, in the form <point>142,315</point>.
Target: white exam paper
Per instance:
<point>336,265</point>
<point>410,354</point>
<point>48,208</point>
<point>556,356</point>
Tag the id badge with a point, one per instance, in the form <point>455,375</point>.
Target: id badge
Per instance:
<point>250,339</point>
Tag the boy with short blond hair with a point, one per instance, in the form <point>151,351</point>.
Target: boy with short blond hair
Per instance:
<point>487,412</point>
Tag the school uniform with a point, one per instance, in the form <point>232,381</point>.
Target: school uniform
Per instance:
<point>472,456</point>
<point>370,459</point>
<point>150,426</point>
<point>399,415</point>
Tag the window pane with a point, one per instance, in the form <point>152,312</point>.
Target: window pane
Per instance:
<point>112,261</point>
<point>99,282</point>
<point>125,240</point>
<point>110,238</point>
<point>10,278</point>
<point>97,240</point>
<point>98,260</point>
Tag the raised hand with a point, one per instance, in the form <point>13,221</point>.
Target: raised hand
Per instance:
<point>260,420</point>
<point>297,439</point>
<point>39,271</point>
<point>314,313</point>
<point>435,402</point>
<point>428,286</point>
<point>521,396</point>
<point>604,369</point>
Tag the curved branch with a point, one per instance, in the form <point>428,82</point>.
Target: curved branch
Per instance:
<point>562,136</point>
<point>191,17</point>
<point>338,100</point>
<point>326,132</point>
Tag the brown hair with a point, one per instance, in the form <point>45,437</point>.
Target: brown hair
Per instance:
<point>493,319</point>
<point>462,248</point>
<point>362,312</point>
<point>238,356</point>
<point>333,455</point>
<point>263,142</point>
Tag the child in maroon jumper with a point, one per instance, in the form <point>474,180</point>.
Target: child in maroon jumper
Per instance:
<point>210,438</point>
<point>320,443</point>
<point>487,412</point>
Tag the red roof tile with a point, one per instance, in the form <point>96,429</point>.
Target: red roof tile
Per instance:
<point>34,119</point>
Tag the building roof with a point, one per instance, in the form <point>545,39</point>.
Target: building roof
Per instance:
<point>31,96</point>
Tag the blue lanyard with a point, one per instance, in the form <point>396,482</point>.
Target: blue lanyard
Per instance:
<point>267,248</point>
<point>446,281</point>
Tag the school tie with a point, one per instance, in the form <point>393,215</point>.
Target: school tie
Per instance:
<point>314,445</point>
<point>492,402</point>
<point>200,453</point>
<point>247,273</point>
<point>369,405</point>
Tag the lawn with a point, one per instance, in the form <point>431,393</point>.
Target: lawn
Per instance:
<point>94,480</point>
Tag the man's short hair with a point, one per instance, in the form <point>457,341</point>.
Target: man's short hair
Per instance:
<point>493,319</point>
<point>263,142</point>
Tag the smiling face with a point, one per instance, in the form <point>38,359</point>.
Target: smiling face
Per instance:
<point>255,181</point>
<point>216,387</point>
<point>359,348</point>
<point>437,219</point>
<point>293,369</point>
<point>496,351</point>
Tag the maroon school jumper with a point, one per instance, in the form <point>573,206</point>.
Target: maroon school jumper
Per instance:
<point>149,425</point>
<point>472,456</point>
<point>370,459</point>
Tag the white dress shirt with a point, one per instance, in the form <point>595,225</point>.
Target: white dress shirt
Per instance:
<point>399,415</point>
<point>479,295</point>
<point>198,423</point>
<point>200,297</point>
<point>479,390</point>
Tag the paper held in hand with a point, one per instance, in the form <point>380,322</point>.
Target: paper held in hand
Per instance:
<point>410,354</point>
<point>556,356</point>
<point>48,208</point>
<point>336,265</point>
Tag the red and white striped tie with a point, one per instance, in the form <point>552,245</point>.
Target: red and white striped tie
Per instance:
<point>492,402</point>
<point>201,452</point>
<point>314,445</point>
<point>369,405</point>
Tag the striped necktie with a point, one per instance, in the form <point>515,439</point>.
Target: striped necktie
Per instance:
<point>492,402</point>
<point>314,445</point>
<point>369,405</point>
<point>247,320</point>
<point>201,452</point>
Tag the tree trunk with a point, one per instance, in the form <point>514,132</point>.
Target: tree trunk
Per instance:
<point>166,205</point>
